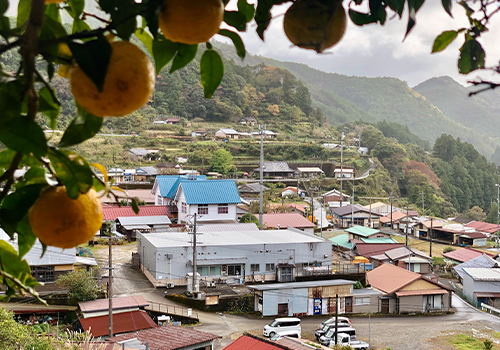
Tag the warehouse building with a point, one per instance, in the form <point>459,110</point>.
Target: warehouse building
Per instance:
<point>231,256</point>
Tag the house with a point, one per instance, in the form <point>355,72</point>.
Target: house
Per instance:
<point>387,208</point>
<point>332,198</point>
<point>363,150</point>
<point>165,187</point>
<point>129,226</point>
<point>172,120</point>
<point>423,227</point>
<point>356,214</point>
<point>251,189</point>
<point>115,174</point>
<point>406,258</point>
<point>475,239</point>
<point>113,213</point>
<point>100,307</point>
<point>211,200</point>
<point>291,191</point>
<point>268,134</point>
<point>167,168</point>
<point>462,255</point>
<point>227,134</point>
<point>168,338</point>
<point>318,297</point>
<point>199,133</point>
<point>252,342</point>
<point>341,243</point>
<point>408,292</point>
<point>370,249</point>
<point>276,169</point>
<point>246,226</point>
<point>283,220</point>
<point>482,261</point>
<point>145,174</point>
<point>344,173</point>
<point>309,171</point>
<point>137,154</point>
<point>259,255</point>
<point>180,159</point>
<point>482,285</point>
<point>361,232</point>
<point>483,227</point>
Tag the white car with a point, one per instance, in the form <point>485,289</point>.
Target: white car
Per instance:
<point>289,326</point>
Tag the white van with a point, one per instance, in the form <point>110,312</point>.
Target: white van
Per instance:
<point>289,326</point>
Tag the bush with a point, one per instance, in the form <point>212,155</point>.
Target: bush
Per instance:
<point>448,249</point>
<point>80,284</point>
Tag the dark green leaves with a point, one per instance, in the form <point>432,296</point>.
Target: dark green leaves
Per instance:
<point>471,57</point>
<point>123,13</point>
<point>72,170</point>
<point>93,58</point>
<point>211,71</point>
<point>237,42</point>
<point>185,54</point>
<point>163,52</point>
<point>76,7</point>
<point>24,135</point>
<point>443,40</point>
<point>263,14</point>
<point>23,12</point>
<point>246,9</point>
<point>236,20</point>
<point>82,128</point>
<point>447,6</point>
<point>360,19</point>
<point>49,106</point>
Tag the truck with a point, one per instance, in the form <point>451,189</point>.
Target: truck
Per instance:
<point>344,339</point>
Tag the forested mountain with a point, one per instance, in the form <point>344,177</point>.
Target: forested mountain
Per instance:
<point>345,98</point>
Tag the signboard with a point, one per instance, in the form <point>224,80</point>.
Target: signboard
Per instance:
<point>317,306</point>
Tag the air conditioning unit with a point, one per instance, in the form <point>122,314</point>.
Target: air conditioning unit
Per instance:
<point>170,284</point>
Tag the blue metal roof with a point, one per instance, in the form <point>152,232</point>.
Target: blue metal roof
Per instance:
<point>210,192</point>
<point>170,183</point>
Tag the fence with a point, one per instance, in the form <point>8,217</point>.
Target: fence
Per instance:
<point>339,268</point>
<point>490,309</point>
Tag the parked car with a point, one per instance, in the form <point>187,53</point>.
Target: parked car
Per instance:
<point>343,339</point>
<point>340,319</point>
<point>289,326</point>
<point>330,335</point>
<point>322,331</point>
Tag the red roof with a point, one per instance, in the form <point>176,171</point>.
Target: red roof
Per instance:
<point>475,235</point>
<point>246,342</point>
<point>118,303</point>
<point>482,226</point>
<point>112,213</point>
<point>167,337</point>
<point>122,323</point>
<point>369,249</point>
<point>283,220</point>
<point>465,254</point>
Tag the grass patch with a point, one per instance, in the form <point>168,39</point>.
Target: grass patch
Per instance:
<point>465,342</point>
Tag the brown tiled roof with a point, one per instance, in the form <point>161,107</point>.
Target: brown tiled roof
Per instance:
<point>465,254</point>
<point>118,303</point>
<point>112,213</point>
<point>247,342</point>
<point>122,323</point>
<point>389,278</point>
<point>168,337</point>
<point>369,249</point>
<point>284,220</point>
<point>483,226</point>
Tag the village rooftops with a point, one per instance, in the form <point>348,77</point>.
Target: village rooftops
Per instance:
<point>113,213</point>
<point>118,303</point>
<point>247,226</point>
<point>144,220</point>
<point>228,238</point>
<point>483,261</point>
<point>169,184</point>
<point>283,220</point>
<point>362,231</point>
<point>341,240</point>
<point>276,167</point>
<point>139,151</point>
<point>356,208</point>
<point>389,278</point>
<point>304,284</point>
<point>483,226</point>
<point>210,192</point>
<point>483,274</point>
<point>122,323</point>
<point>465,254</point>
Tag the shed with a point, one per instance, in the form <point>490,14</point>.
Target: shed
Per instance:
<point>122,323</point>
<point>482,285</point>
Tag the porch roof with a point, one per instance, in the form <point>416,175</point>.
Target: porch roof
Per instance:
<point>406,293</point>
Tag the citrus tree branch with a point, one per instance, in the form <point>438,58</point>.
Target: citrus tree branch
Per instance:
<point>9,175</point>
<point>20,285</point>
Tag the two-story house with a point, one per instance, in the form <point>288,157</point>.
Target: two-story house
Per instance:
<point>165,187</point>
<point>211,200</point>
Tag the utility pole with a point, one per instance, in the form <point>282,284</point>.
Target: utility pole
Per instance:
<point>352,204</point>
<point>262,128</point>
<point>341,166</point>
<point>406,228</point>
<point>423,203</point>
<point>110,285</point>
<point>336,317</point>
<point>194,255</point>
<point>390,196</point>
<point>430,236</point>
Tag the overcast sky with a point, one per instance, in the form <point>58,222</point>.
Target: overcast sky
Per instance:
<point>374,50</point>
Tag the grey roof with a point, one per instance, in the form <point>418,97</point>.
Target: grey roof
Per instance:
<point>276,167</point>
<point>365,291</point>
<point>86,261</point>
<point>149,170</point>
<point>229,131</point>
<point>251,188</point>
<point>138,151</point>
<point>481,261</point>
<point>483,274</point>
<point>402,253</point>
<point>144,220</point>
<point>231,238</point>
<point>247,226</point>
<point>348,210</point>
<point>306,284</point>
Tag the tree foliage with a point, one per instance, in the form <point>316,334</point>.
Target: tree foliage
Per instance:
<point>222,162</point>
<point>80,284</point>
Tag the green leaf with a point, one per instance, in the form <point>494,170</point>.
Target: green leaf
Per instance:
<point>152,15</point>
<point>211,72</point>
<point>77,7</point>
<point>360,19</point>
<point>471,57</point>
<point>72,170</point>
<point>5,30</point>
<point>50,70</point>
<point>185,54</point>
<point>23,12</point>
<point>236,19</point>
<point>237,42</point>
<point>25,237</point>
<point>98,185</point>
<point>163,52</point>
<point>122,15</point>
<point>447,6</point>
<point>93,58</point>
<point>17,204</point>
<point>80,25</point>
<point>246,9</point>
<point>6,157</point>
<point>469,11</point>
<point>48,106</point>
<point>135,205</point>
<point>397,6</point>
<point>4,5</point>
<point>263,14</point>
<point>55,26</point>
<point>52,11</point>
<point>443,40</point>
<point>15,268</point>
<point>413,6</point>
<point>82,128</point>
<point>24,135</point>
<point>10,103</point>
<point>145,38</point>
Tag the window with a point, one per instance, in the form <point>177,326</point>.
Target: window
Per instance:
<point>43,273</point>
<point>362,301</point>
<point>254,267</point>
<point>183,207</point>
<point>202,209</point>
<point>209,270</point>
<point>223,209</point>
<point>270,267</point>
<point>233,270</point>
<point>359,221</point>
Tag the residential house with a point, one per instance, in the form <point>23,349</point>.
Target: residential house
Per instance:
<point>115,174</point>
<point>165,187</point>
<point>475,239</point>
<point>199,133</point>
<point>482,285</point>
<point>137,154</point>
<point>113,213</point>
<point>406,258</point>
<point>146,174</point>
<point>331,146</point>
<point>344,173</point>
<point>356,214</point>
<point>168,338</point>
<point>100,307</point>
<point>291,191</point>
<point>168,168</point>
<point>310,171</point>
<point>227,134</point>
<point>283,220</point>
<point>332,198</point>
<point>276,169</point>
<point>483,227</point>
<point>482,261</point>
<point>245,226</point>
<point>172,120</point>
<point>361,232</point>
<point>268,134</point>
<point>462,255</point>
<point>387,208</point>
<point>129,226</point>
<point>423,227</point>
<point>181,160</point>
<point>408,292</point>
<point>252,342</point>
<point>370,249</point>
<point>211,200</point>
<point>231,256</point>
<point>341,243</point>
<point>363,150</point>
<point>251,189</point>
<point>122,323</point>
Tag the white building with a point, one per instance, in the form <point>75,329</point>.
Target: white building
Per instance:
<point>233,256</point>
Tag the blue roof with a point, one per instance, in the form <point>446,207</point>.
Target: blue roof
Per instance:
<point>170,183</point>
<point>210,192</point>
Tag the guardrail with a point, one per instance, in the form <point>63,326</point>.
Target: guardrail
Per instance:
<point>490,309</point>
<point>172,309</point>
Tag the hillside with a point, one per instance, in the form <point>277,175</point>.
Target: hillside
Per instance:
<point>344,98</point>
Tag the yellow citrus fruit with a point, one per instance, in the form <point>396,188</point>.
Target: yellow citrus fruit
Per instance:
<point>191,22</point>
<point>64,51</point>
<point>314,25</point>
<point>129,83</point>
<point>60,221</point>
